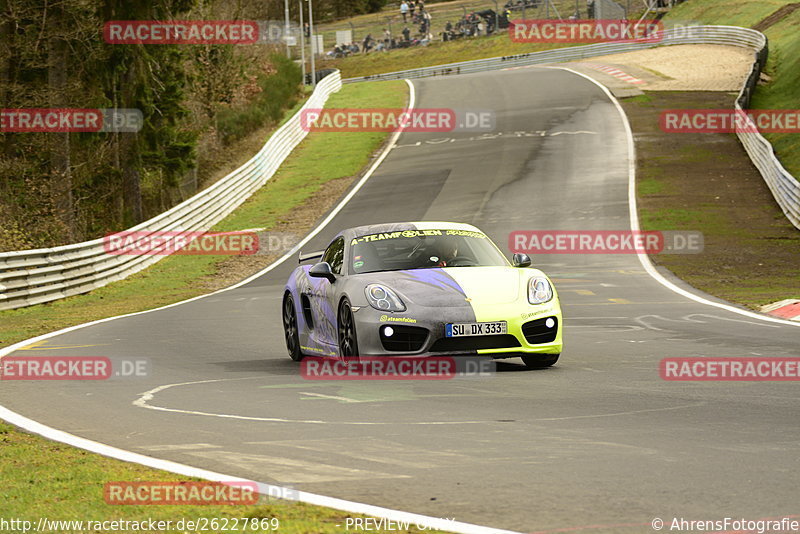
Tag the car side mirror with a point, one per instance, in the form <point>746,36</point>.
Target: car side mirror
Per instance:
<point>521,260</point>
<point>322,270</point>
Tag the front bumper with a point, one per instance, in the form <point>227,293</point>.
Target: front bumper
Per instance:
<point>423,334</point>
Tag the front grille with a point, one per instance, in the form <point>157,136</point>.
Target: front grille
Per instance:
<point>536,331</point>
<point>404,338</point>
<point>454,344</point>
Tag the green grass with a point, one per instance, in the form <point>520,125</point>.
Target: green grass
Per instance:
<point>674,218</point>
<point>321,157</point>
<point>43,478</point>
<point>441,12</point>
<point>47,479</point>
<point>727,12</point>
<point>640,99</point>
<point>650,186</point>
<point>436,53</point>
<point>705,182</point>
<point>783,64</point>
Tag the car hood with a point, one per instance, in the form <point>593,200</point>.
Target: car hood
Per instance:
<point>452,286</point>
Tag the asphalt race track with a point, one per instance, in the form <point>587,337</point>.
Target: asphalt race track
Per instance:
<point>598,443</point>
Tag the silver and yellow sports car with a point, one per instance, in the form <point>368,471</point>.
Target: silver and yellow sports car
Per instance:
<point>420,288</point>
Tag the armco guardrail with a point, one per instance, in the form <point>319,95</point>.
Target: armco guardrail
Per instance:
<point>35,276</point>
<point>785,187</point>
<point>722,35</point>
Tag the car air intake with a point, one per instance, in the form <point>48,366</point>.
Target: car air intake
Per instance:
<point>537,331</point>
<point>455,344</point>
<point>404,338</point>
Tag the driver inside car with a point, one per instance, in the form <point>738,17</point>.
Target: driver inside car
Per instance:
<point>447,252</point>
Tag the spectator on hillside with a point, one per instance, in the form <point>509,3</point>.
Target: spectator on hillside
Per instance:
<point>387,37</point>
<point>366,45</point>
<point>307,30</point>
<point>590,9</point>
<point>447,34</point>
<point>404,10</point>
<point>411,8</point>
<point>406,34</point>
<point>424,21</point>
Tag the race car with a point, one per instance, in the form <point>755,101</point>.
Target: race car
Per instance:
<point>420,289</point>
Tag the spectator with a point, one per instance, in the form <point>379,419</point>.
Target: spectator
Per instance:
<point>411,8</point>
<point>447,34</point>
<point>387,37</point>
<point>307,30</point>
<point>367,44</point>
<point>406,34</point>
<point>590,9</point>
<point>404,10</point>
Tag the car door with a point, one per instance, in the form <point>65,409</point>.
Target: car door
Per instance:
<point>323,296</point>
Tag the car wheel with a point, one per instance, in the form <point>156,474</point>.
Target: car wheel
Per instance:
<point>540,361</point>
<point>348,342</point>
<point>290,329</point>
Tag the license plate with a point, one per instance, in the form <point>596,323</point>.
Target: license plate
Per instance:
<point>474,329</point>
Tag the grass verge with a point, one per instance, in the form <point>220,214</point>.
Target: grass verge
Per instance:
<point>706,182</point>
<point>320,159</point>
<point>47,479</point>
<point>783,65</point>
<point>436,53</point>
<point>43,479</point>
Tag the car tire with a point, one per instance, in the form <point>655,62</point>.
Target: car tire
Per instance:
<point>290,330</point>
<point>346,329</point>
<point>540,361</point>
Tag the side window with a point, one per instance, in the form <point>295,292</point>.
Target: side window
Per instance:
<point>334,255</point>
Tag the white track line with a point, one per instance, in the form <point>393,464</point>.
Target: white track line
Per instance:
<point>634,219</point>
<point>265,489</point>
<point>120,454</point>
<point>321,500</point>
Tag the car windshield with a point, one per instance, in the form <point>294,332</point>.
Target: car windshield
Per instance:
<point>423,249</point>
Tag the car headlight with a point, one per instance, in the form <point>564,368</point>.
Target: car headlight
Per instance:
<point>384,299</point>
<point>539,290</point>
